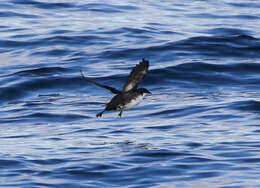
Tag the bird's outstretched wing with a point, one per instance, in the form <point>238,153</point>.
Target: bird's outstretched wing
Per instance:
<point>136,75</point>
<point>113,90</point>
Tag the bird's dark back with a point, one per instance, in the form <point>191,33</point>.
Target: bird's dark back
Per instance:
<point>115,101</point>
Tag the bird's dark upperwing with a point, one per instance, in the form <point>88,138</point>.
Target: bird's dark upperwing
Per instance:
<point>136,76</point>
<point>113,90</point>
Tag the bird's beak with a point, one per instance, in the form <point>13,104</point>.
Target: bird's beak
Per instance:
<point>149,92</point>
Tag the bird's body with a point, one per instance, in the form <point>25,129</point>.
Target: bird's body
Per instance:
<point>125,100</point>
<point>135,100</point>
<point>130,96</point>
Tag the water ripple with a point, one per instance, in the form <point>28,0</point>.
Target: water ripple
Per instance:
<point>200,128</point>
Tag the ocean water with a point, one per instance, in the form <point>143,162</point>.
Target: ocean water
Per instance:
<point>200,128</point>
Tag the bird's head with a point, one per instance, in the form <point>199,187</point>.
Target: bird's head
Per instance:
<point>144,91</point>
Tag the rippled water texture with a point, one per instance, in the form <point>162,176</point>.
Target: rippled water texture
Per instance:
<point>200,128</point>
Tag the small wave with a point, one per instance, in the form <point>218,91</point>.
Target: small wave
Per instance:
<point>18,136</point>
<point>7,44</point>
<point>10,93</point>
<point>73,40</point>
<point>250,4</point>
<point>11,163</point>
<point>23,36</point>
<point>237,68</point>
<point>215,16</point>
<point>44,71</point>
<point>44,117</point>
<point>159,154</point>
<point>60,31</point>
<point>46,78</point>
<point>49,161</point>
<point>106,8</point>
<point>174,113</point>
<point>79,40</point>
<point>238,46</point>
<point>44,5</point>
<point>248,105</point>
<point>222,31</point>
<point>7,14</point>
<point>209,74</point>
<point>53,52</point>
<point>22,89</point>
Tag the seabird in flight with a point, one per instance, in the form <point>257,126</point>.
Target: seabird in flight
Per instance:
<point>130,95</point>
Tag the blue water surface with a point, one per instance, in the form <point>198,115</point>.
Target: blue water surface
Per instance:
<point>200,128</point>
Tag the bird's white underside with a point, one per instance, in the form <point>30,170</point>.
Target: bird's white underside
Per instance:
<point>134,102</point>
